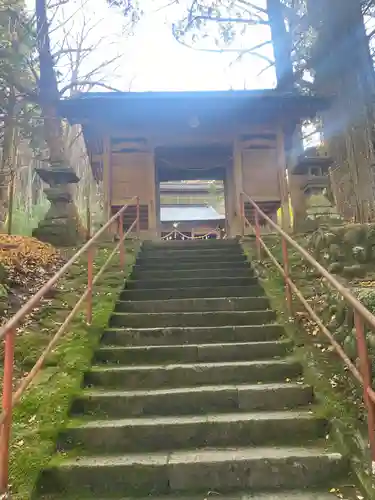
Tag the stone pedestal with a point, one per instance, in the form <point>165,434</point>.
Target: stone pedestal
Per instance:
<point>61,226</point>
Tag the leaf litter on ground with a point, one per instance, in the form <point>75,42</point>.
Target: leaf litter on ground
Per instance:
<point>25,265</point>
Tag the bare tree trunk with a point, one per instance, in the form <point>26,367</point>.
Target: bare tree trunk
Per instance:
<point>11,204</point>
<point>61,225</point>
<point>48,91</point>
<point>7,158</point>
<point>282,46</point>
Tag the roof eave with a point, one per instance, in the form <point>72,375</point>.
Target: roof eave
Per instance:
<point>78,109</point>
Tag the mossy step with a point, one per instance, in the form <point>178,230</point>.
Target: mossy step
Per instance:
<point>198,255</point>
<point>140,273</point>
<point>191,244</point>
<point>194,305</point>
<point>154,434</point>
<point>197,281</point>
<point>190,353</point>
<point>179,262</point>
<point>163,265</point>
<point>193,292</point>
<point>191,335</point>
<point>279,495</point>
<point>187,375</point>
<point>260,468</point>
<point>186,244</point>
<point>215,318</point>
<point>194,400</point>
<point>193,255</point>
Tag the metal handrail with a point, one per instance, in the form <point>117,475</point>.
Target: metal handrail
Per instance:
<point>362,315</point>
<point>8,331</point>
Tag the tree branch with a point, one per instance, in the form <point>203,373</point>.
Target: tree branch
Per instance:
<point>251,52</point>
<point>239,20</point>
<point>226,50</point>
<point>83,83</point>
<point>252,6</point>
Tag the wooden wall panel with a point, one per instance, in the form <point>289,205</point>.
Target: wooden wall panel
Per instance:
<point>259,170</point>
<point>133,174</point>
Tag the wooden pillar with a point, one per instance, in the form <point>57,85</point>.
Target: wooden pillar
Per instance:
<point>296,182</point>
<point>230,201</point>
<point>284,190</point>
<point>107,188</point>
<point>157,200</point>
<point>153,203</point>
<point>226,205</point>
<point>238,184</point>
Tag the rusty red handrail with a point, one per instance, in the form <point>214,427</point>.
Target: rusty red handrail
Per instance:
<point>8,331</point>
<point>362,314</point>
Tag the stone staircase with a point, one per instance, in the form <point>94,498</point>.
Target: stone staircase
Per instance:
<point>194,391</point>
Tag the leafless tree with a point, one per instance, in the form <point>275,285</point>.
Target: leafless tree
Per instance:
<point>71,55</point>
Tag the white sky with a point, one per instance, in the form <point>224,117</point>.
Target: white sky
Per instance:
<point>159,62</point>
<point>153,60</point>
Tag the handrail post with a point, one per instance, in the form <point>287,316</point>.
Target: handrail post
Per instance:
<point>122,249</point>
<point>138,219</point>
<point>365,368</point>
<point>288,291</point>
<point>7,407</point>
<point>257,235</point>
<point>90,278</point>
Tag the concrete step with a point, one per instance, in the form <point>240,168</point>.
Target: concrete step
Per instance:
<point>152,434</point>
<point>191,353</point>
<point>192,335</point>
<point>215,318</point>
<point>190,244</point>
<point>187,375</point>
<point>180,255</point>
<point>190,282</point>
<point>193,400</point>
<point>237,495</point>
<point>193,392</point>
<point>260,468</point>
<point>193,257</point>
<point>200,254</point>
<point>140,273</point>
<point>194,305</point>
<point>163,265</point>
<point>192,292</point>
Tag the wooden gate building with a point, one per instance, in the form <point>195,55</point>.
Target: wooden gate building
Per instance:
<point>137,140</point>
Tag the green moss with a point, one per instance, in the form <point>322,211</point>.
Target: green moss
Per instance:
<point>43,411</point>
